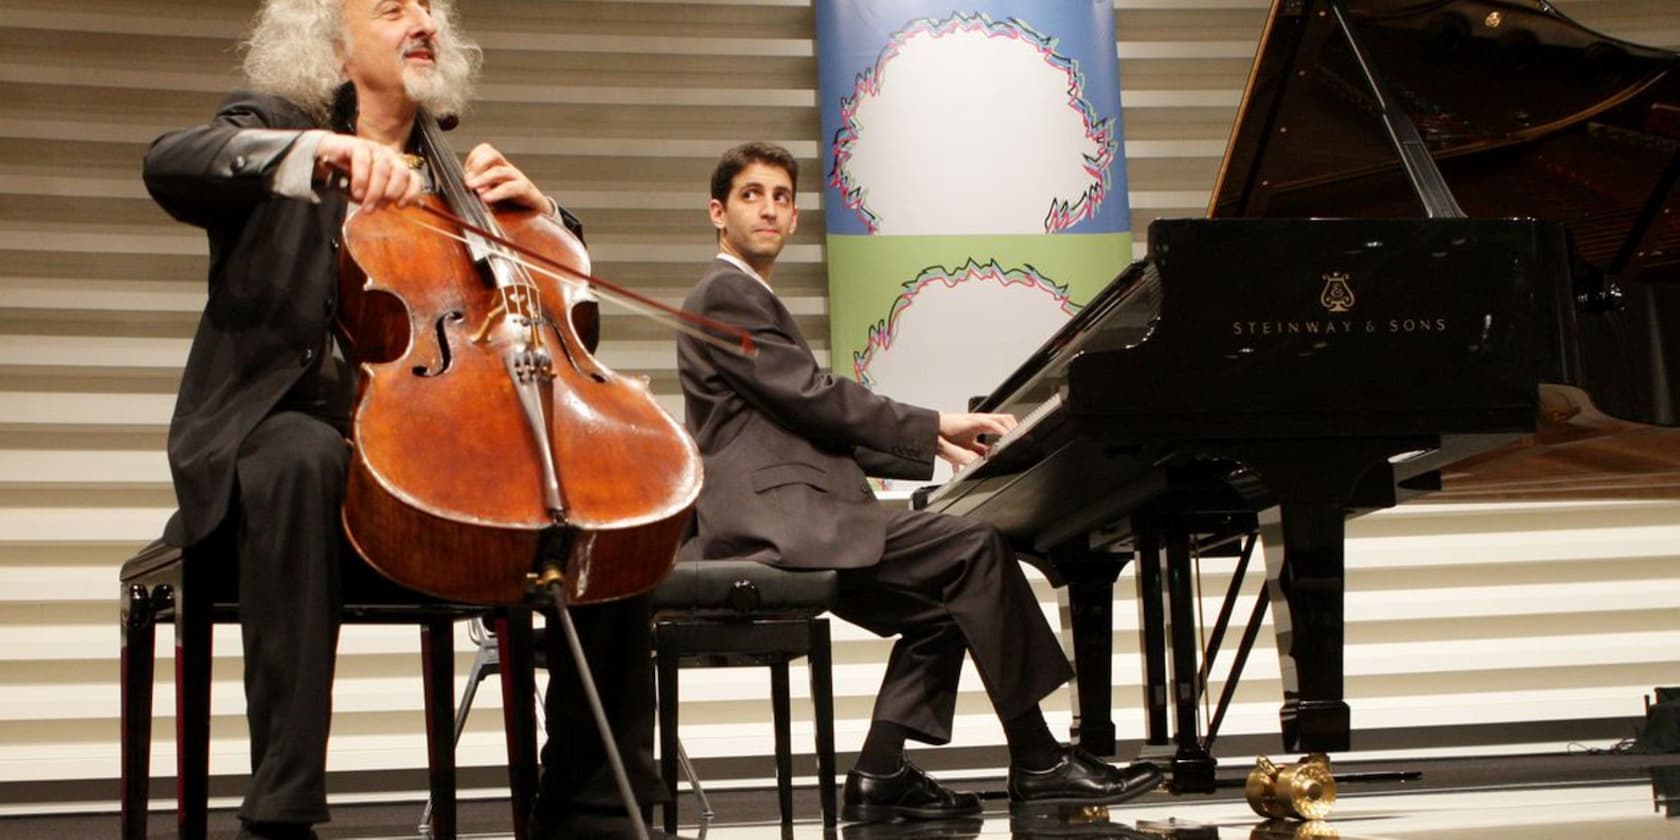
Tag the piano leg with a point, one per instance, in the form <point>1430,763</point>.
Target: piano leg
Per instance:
<point>1318,484</point>
<point>1167,622</point>
<point>1305,586</point>
<point>1157,744</point>
<point>1091,615</point>
<point>1192,766</point>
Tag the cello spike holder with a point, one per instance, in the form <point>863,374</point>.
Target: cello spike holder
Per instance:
<point>552,581</point>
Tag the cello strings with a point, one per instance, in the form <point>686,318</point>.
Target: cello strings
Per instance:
<point>625,301</point>
<point>745,337</point>
<point>525,303</point>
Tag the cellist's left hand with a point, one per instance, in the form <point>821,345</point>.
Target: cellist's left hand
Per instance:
<point>495,180</point>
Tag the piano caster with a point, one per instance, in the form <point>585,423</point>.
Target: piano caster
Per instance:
<point>1192,772</point>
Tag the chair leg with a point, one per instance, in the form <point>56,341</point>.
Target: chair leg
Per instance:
<point>437,644</point>
<point>483,664</point>
<point>519,685</point>
<point>192,711</point>
<point>821,665</point>
<point>139,635</point>
<point>666,656</point>
<point>780,712</point>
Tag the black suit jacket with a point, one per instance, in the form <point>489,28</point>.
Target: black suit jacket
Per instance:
<point>272,289</point>
<point>786,446</point>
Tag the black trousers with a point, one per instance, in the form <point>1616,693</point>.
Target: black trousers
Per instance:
<point>291,474</point>
<point>949,586</point>
<point>577,795</point>
<point>292,568</point>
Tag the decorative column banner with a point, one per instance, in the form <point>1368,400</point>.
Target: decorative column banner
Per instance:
<point>974,184</point>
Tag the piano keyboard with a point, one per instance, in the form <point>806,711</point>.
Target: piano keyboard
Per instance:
<point>1022,427</point>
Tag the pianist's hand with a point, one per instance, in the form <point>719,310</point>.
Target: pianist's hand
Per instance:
<point>955,455</point>
<point>959,434</point>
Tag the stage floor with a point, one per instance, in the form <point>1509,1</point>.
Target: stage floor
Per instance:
<point>1592,812</point>
<point>1578,796</point>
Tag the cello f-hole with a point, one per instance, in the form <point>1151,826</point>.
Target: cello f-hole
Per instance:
<point>585,366</point>
<point>445,357</point>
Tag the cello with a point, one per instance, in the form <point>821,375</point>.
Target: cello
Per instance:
<point>487,441</point>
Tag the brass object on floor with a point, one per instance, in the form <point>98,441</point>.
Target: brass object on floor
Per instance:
<point>1302,791</point>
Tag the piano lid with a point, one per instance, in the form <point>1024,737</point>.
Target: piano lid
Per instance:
<point>1525,112</point>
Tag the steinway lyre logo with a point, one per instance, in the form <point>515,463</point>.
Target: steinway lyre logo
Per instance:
<point>1337,295</point>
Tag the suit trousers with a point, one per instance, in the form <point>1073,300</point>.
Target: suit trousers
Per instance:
<point>948,586</point>
<point>291,474</point>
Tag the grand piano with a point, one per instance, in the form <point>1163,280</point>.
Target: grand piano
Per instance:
<point>1442,257</point>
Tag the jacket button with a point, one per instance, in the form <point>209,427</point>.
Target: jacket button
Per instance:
<point>308,356</point>
<point>334,243</point>
<point>238,163</point>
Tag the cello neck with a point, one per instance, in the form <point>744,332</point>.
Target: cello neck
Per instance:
<point>451,184</point>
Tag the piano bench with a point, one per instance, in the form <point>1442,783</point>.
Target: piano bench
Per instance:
<point>730,613</point>
<point>198,587</point>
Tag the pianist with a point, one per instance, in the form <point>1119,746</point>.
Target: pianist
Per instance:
<point>787,447</point>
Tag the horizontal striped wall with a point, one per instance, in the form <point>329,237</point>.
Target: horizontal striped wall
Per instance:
<point>1459,615</point>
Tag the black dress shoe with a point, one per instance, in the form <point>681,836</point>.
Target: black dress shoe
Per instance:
<point>908,793</point>
<point>1080,778</point>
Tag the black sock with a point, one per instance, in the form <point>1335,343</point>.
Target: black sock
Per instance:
<point>1031,746</point>
<point>883,749</point>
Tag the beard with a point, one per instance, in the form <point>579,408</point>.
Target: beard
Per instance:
<point>444,87</point>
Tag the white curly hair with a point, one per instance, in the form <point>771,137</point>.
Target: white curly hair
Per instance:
<point>293,52</point>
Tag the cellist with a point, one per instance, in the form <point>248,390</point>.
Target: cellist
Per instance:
<point>257,442</point>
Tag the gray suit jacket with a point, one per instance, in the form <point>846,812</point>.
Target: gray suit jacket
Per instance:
<point>786,446</point>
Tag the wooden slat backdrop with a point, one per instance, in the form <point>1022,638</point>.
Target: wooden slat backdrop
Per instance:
<point>1461,619</point>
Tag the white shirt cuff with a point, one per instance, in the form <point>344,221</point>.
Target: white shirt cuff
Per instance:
<point>295,176</point>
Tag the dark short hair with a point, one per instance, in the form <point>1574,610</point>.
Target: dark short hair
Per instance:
<point>746,154</point>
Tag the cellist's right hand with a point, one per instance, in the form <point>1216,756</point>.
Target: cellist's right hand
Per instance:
<point>378,174</point>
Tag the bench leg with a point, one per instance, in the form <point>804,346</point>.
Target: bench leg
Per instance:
<point>821,663</point>
<point>519,688</point>
<point>139,635</point>
<point>437,645</point>
<point>779,712</point>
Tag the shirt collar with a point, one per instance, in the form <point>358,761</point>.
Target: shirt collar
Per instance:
<point>736,261</point>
